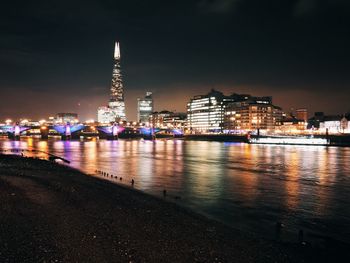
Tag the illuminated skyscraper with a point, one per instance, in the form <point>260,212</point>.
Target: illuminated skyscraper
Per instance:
<point>116,106</point>
<point>116,102</point>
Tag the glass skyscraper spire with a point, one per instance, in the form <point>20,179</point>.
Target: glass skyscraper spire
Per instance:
<point>116,102</point>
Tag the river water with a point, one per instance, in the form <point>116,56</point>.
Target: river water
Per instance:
<point>250,187</point>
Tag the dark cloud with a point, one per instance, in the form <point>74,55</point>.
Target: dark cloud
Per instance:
<point>307,7</point>
<point>217,6</point>
<point>60,52</point>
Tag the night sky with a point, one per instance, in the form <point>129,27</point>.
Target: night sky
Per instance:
<point>57,56</point>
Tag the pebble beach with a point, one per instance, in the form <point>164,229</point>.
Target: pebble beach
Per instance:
<point>52,213</point>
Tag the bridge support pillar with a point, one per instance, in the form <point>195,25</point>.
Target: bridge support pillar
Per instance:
<point>44,133</point>
<point>65,137</point>
<point>14,137</point>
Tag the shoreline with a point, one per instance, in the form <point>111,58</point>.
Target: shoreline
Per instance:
<point>335,140</point>
<point>72,211</point>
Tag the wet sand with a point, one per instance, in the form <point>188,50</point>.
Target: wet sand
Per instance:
<point>52,213</point>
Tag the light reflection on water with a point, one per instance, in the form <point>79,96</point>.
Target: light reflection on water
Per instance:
<point>247,186</point>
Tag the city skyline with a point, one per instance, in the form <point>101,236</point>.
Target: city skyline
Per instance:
<point>296,52</point>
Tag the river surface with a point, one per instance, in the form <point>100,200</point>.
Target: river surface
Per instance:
<point>250,187</point>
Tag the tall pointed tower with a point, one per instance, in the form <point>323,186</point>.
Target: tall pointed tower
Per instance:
<point>116,102</point>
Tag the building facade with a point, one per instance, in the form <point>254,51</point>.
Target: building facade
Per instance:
<point>292,125</point>
<point>175,120</point>
<point>144,108</point>
<point>205,113</point>
<point>236,113</point>
<point>335,125</point>
<point>250,114</point>
<point>156,119</point>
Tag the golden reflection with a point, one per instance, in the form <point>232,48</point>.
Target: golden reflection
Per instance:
<point>243,180</point>
<point>204,164</point>
<point>324,170</point>
<point>292,180</point>
<point>90,154</point>
<point>145,168</point>
<point>30,141</point>
<point>42,146</point>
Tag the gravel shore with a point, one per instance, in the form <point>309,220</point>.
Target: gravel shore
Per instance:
<point>52,213</point>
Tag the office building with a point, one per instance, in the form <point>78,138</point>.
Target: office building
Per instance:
<point>144,108</point>
<point>250,113</point>
<point>205,113</point>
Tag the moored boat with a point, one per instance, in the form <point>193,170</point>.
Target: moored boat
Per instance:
<point>289,140</point>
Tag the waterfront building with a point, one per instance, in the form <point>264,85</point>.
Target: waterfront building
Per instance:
<point>168,119</point>
<point>292,125</point>
<point>115,111</point>
<point>252,114</point>
<point>301,114</point>
<point>248,113</point>
<point>278,116</point>
<point>63,118</point>
<point>144,108</point>
<point>236,113</point>
<point>335,124</point>
<point>205,113</point>
<point>156,119</point>
<point>175,120</point>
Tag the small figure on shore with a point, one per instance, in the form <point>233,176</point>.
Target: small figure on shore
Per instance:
<point>121,178</point>
<point>116,177</point>
<point>132,182</point>
<point>164,193</point>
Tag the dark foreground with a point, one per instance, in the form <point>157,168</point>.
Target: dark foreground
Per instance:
<point>51,213</point>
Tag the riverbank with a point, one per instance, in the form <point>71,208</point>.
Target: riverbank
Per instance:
<point>50,212</point>
<point>334,140</point>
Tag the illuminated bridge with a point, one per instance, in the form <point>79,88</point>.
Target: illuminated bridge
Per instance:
<point>74,131</point>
